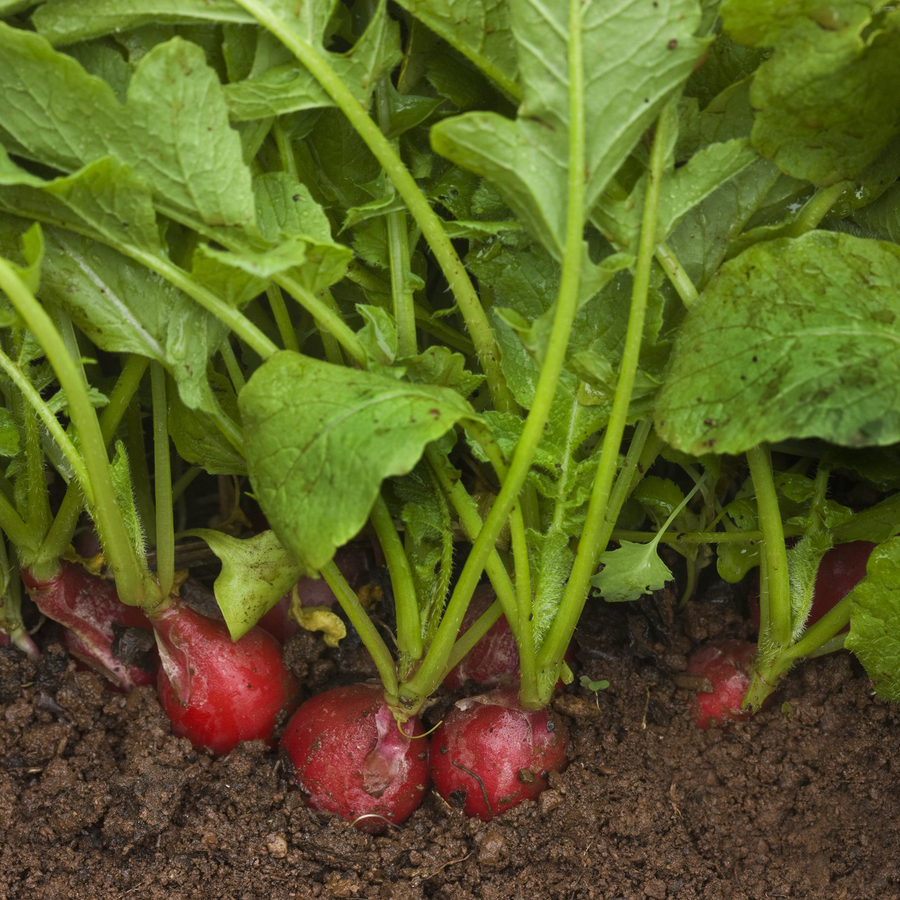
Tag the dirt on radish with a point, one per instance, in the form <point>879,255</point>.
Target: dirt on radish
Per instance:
<point>98,800</point>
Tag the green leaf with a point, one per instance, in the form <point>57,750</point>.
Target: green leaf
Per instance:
<point>428,540</point>
<point>173,130</point>
<point>194,160</point>
<point>441,366</point>
<point>320,439</point>
<point>681,190</point>
<point>551,559</point>
<point>659,496</point>
<point>256,573</point>
<point>479,29</point>
<point>794,338</point>
<point>67,21</point>
<point>828,100</point>
<point>290,87</point>
<point>875,620</point>
<point>882,216</point>
<point>378,335</point>
<point>630,571</point>
<point>124,308</point>
<point>706,233</point>
<point>105,199</point>
<point>627,84</point>
<point>197,437</point>
<point>876,524</point>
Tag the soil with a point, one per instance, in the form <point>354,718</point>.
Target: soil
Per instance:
<point>98,800</point>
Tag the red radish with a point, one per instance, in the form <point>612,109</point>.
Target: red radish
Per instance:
<point>215,691</point>
<point>495,657</point>
<point>727,666</point>
<point>841,569</point>
<point>494,660</point>
<point>89,607</point>
<point>351,758</point>
<point>489,754</point>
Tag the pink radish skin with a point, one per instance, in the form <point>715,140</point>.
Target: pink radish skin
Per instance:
<point>217,692</point>
<point>494,660</point>
<point>88,606</point>
<point>727,666</point>
<point>489,754</point>
<point>350,757</point>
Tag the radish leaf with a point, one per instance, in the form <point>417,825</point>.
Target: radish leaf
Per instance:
<point>827,118</point>
<point>320,439</point>
<point>794,338</point>
<point>875,620</point>
<point>256,573</point>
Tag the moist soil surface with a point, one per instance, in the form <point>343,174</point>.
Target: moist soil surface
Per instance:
<point>99,801</point>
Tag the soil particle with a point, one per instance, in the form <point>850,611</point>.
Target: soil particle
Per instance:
<point>98,801</point>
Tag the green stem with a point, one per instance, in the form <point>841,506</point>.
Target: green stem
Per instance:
<point>360,620</point>
<point>285,151</point>
<point>231,364</point>
<point>525,635</point>
<point>224,312</point>
<point>444,333</point>
<point>398,249</point>
<point>282,318</point>
<point>162,480</point>
<point>409,625</point>
<point>63,528</point>
<point>428,221</point>
<point>780,622</point>
<point>680,279</point>
<point>467,510</point>
<point>119,551</point>
<point>819,633</point>
<point>598,526</point>
<point>13,527</point>
<point>427,678</point>
<point>331,325</point>
<point>816,208</point>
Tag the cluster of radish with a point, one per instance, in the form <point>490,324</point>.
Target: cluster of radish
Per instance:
<point>349,754</point>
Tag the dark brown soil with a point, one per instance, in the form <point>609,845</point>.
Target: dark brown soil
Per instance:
<point>98,801</point>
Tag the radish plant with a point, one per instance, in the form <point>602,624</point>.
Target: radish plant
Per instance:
<point>445,281</point>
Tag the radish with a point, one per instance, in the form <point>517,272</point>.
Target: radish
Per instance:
<point>89,608</point>
<point>490,754</point>
<point>841,569</point>
<point>350,757</point>
<point>726,664</point>
<point>494,660</point>
<point>216,692</point>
